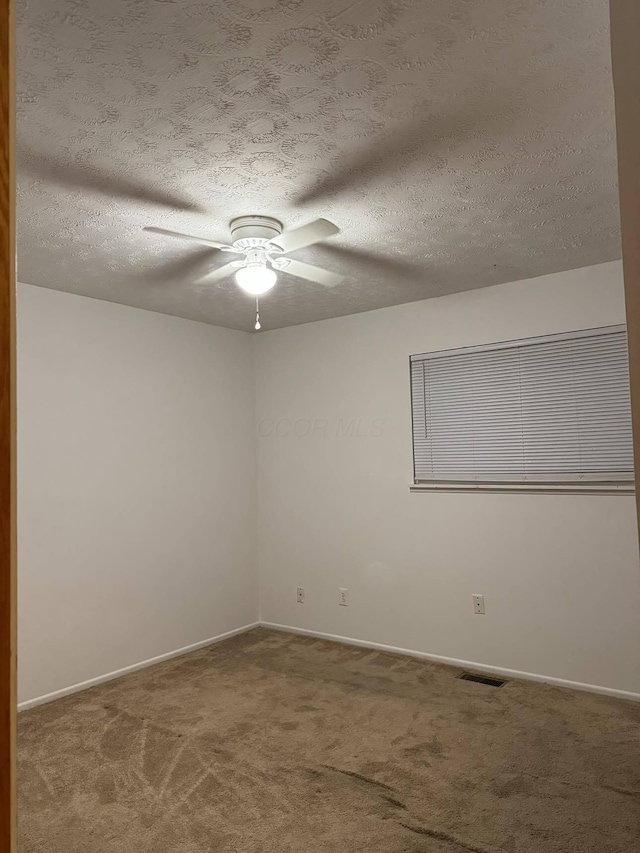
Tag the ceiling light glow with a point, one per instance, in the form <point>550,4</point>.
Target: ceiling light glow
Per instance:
<point>256,278</point>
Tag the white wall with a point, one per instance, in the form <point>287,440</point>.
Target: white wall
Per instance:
<point>559,573</point>
<point>137,510</point>
<point>136,486</point>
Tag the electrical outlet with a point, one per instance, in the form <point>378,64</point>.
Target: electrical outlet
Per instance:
<point>478,604</point>
<point>300,595</point>
<point>343,597</point>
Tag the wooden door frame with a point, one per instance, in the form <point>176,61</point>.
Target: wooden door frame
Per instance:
<point>7,438</point>
<point>625,37</point>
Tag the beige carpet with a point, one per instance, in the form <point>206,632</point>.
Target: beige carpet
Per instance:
<point>270,743</point>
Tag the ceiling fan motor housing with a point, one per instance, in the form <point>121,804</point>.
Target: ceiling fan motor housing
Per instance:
<point>250,232</point>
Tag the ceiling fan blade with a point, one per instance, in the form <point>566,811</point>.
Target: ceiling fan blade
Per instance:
<point>183,268</point>
<point>217,274</point>
<point>305,235</point>
<point>374,260</point>
<point>204,240</point>
<point>309,272</point>
<point>80,176</point>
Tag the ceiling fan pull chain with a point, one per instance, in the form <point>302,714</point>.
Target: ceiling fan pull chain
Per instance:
<point>257,326</point>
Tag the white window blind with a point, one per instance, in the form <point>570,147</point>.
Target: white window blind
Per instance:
<point>543,410</point>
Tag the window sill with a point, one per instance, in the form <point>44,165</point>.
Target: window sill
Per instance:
<point>569,488</point>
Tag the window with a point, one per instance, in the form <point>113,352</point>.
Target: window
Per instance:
<point>553,412</point>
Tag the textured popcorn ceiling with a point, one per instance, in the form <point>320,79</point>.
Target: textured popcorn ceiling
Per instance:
<point>464,142</point>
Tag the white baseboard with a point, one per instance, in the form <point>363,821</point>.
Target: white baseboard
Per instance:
<point>100,679</point>
<point>461,664</point>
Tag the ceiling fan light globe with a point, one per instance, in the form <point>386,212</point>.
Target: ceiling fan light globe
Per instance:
<point>257,279</point>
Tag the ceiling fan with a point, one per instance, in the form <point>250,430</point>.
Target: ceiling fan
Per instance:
<point>262,247</point>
